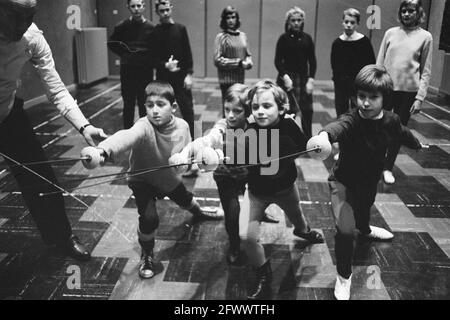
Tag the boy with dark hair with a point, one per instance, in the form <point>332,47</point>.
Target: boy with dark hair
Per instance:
<point>152,140</point>
<point>364,135</point>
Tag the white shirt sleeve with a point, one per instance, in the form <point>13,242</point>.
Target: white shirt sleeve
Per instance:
<point>42,60</point>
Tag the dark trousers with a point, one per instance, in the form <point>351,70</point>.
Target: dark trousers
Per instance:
<point>224,88</point>
<point>145,195</point>
<point>343,94</point>
<point>183,96</point>
<point>229,191</point>
<point>18,141</point>
<point>351,210</point>
<point>133,80</point>
<point>401,103</point>
<point>304,100</point>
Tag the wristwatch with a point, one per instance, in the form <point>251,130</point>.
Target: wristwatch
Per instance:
<point>81,130</point>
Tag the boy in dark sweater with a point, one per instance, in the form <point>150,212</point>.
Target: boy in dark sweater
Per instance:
<point>131,41</point>
<point>350,52</point>
<point>363,135</point>
<point>174,59</point>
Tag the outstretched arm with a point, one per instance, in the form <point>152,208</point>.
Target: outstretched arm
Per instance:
<point>56,91</point>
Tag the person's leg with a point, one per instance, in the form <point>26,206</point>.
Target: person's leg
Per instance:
<point>224,88</point>
<point>184,98</point>
<point>148,224</point>
<point>23,146</point>
<point>185,199</point>
<point>145,77</point>
<point>48,212</point>
<point>306,104</point>
<point>366,198</point>
<point>289,202</point>
<point>129,94</point>
<point>340,98</point>
<point>343,202</point>
<point>229,199</point>
<point>249,230</point>
<point>401,102</point>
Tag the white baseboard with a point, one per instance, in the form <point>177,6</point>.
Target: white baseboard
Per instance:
<point>43,98</point>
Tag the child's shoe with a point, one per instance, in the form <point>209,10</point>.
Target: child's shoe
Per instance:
<point>147,266</point>
<point>378,234</point>
<point>312,236</point>
<point>342,288</point>
<point>388,177</point>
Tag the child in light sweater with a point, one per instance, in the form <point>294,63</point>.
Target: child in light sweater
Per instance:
<point>152,140</point>
<point>406,52</point>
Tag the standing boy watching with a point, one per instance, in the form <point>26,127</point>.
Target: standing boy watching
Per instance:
<point>174,59</point>
<point>131,41</point>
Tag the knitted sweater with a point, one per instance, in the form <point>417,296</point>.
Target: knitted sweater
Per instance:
<point>363,144</point>
<point>232,47</point>
<point>295,53</point>
<point>407,55</point>
<point>349,57</point>
<point>151,147</point>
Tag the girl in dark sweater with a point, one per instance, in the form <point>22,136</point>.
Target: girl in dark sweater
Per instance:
<point>350,52</point>
<point>295,60</point>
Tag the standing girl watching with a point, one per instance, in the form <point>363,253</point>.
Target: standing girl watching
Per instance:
<point>406,53</point>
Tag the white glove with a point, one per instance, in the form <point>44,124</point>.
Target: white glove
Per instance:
<point>95,157</point>
<point>180,160</point>
<point>324,145</point>
<point>288,82</point>
<point>208,159</point>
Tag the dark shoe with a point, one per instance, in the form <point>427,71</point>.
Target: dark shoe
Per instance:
<point>206,213</point>
<point>269,219</point>
<point>74,248</point>
<point>262,289</point>
<point>311,236</point>
<point>147,266</point>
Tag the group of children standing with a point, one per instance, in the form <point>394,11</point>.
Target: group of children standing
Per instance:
<point>364,133</point>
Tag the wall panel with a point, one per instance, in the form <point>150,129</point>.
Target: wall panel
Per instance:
<point>51,18</point>
<point>192,14</point>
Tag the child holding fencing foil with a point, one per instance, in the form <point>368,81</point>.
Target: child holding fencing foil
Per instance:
<point>152,141</point>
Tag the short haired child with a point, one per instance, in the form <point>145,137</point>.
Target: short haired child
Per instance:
<point>268,104</point>
<point>152,140</point>
<point>363,135</point>
<point>231,178</point>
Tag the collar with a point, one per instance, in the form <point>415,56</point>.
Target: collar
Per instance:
<point>142,19</point>
<point>378,117</point>
<point>165,128</point>
<point>354,37</point>
<point>233,32</point>
<point>170,22</point>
